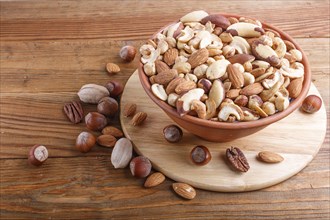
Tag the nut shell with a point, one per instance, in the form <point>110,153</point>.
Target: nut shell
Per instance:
<point>127,53</point>
<point>172,133</point>
<point>107,106</point>
<point>85,141</point>
<point>140,166</point>
<point>200,155</point>
<point>311,104</point>
<point>115,88</point>
<point>95,121</point>
<point>38,154</point>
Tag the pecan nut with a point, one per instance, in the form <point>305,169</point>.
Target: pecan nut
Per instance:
<point>237,159</point>
<point>74,111</point>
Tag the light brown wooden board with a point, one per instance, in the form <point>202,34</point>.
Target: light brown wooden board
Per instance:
<point>297,138</point>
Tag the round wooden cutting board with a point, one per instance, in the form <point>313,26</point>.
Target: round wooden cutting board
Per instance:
<point>297,138</point>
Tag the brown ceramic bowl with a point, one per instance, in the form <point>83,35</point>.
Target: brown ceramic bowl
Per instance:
<point>224,131</point>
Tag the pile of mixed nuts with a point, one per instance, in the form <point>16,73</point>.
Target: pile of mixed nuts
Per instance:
<point>217,68</point>
<point>223,69</point>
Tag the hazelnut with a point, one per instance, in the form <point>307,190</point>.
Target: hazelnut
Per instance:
<point>38,155</point>
<point>95,121</point>
<point>311,104</point>
<point>140,166</point>
<point>200,155</point>
<point>127,53</point>
<point>85,141</point>
<point>241,100</point>
<point>107,106</point>
<point>172,133</point>
<point>115,88</point>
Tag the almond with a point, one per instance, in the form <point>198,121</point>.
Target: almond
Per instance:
<point>165,77</point>
<point>258,72</point>
<point>161,66</point>
<point>139,118</point>
<point>185,86</point>
<point>235,76</point>
<point>270,157</point>
<point>199,57</point>
<point>173,84</point>
<point>112,68</point>
<point>184,190</point>
<point>106,140</point>
<point>154,180</point>
<point>233,93</point>
<point>295,87</point>
<point>170,56</point>
<point>112,131</point>
<point>252,89</point>
<point>129,109</point>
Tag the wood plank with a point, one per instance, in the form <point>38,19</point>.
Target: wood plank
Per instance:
<point>105,19</point>
<point>40,120</point>
<point>173,159</point>
<point>27,66</point>
<point>90,188</point>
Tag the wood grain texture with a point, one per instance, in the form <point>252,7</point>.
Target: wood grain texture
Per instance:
<point>49,49</point>
<point>173,159</point>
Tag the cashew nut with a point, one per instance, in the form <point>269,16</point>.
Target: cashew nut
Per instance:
<point>266,40</point>
<point>191,77</point>
<point>254,103</point>
<point>248,78</point>
<point>269,83</point>
<point>151,58</point>
<point>186,34</point>
<point>199,107</point>
<point>228,51</point>
<point>149,69</point>
<point>269,108</point>
<point>171,99</point>
<point>296,70</point>
<point>159,91</point>
<point>296,54</point>
<point>281,102</point>
<point>230,110</point>
<point>171,42</point>
<point>146,49</point>
<point>266,94</point>
<point>279,47</point>
<point>200,70</point>
<point>184,102</point>
<point>249,115</point>
<point>169,32</point>
<point>209,26</point>
<point>182,67</point>
<point>240,45</point>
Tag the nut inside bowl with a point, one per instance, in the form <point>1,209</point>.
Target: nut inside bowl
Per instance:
<point>219,131</point>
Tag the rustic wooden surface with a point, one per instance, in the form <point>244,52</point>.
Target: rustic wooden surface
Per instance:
<point>50,48</point>
<point>173,159</point>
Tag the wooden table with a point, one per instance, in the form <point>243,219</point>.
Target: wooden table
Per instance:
<point>50,49</point>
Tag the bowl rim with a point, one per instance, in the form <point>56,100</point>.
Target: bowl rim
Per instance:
<point>144,80</point>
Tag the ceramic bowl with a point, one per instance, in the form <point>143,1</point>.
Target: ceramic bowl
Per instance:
<point>224,131</point>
